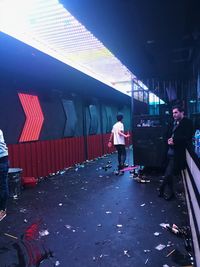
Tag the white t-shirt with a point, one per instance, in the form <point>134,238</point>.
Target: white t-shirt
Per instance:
<point>3,147</point>
<point>118,139</point>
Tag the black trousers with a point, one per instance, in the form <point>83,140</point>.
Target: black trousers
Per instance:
<point>168,176</point>
<point>121,150</point>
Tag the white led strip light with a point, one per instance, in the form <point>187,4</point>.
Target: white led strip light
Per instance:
<point>47,26</point>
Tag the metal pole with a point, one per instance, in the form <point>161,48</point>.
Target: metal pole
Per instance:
<point>132,112</point>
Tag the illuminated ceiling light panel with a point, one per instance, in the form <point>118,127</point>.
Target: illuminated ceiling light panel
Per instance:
<point>47,26</point>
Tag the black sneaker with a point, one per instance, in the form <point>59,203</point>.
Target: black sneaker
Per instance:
<point>160,193</point>
<point>120,172</point>
<point>125,165</point>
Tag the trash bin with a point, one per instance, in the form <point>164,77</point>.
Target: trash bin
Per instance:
<point>14,182</point>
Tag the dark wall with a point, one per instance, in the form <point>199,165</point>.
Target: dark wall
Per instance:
<point>12,117</point>
<point>73,104</point>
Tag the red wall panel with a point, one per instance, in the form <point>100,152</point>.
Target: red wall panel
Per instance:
<point>94,146</point>
<point>41,158</point>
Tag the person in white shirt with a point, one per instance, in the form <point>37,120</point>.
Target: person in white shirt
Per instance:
<point>3,176</point>
<point>118,137</point>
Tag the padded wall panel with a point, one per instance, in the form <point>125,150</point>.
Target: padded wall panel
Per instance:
<point>109,119</point>
<point>71,117</point>
<point>94,123</point>
<point>104,119</point>
<point>54,115</point>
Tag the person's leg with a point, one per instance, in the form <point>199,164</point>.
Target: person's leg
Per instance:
<point>168,177</point>
<point>123,154</point>
<point>118,148</point>
<point>3,188</point>
<point>178,183</point>
<point>171,188</point>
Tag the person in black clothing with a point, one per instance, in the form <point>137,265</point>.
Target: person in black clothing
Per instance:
<point>179,136</point>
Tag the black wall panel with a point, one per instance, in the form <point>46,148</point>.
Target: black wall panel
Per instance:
<point>71,117</point>
<point>12,116</point>
<point>54,119</point>
<point>104,119</point>
<point>92,115</point>
<point>109,119</point>
<point>94,119</point>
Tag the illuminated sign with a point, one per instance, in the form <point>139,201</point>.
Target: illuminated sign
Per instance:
<point>34,117</point>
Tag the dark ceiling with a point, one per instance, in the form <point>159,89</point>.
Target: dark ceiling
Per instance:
<point>155,39</point>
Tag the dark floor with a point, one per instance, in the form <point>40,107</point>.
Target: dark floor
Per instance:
<point>91,217</point>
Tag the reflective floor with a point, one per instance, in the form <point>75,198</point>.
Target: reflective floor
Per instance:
<point>88,217</point>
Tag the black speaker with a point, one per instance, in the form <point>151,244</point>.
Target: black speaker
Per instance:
<point>149,146</point>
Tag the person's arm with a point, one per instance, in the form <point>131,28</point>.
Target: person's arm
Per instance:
<point>186,134</point>
<point>123,134</point>
<point>110,140</point>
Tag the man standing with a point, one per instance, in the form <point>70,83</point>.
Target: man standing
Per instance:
<point>118,136</point>
<point>179,136</point>
<point>3,176</point>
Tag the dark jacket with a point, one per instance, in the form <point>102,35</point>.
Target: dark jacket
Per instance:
<point>182,136</point>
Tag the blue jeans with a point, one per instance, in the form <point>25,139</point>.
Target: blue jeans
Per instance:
<point>4,193</point>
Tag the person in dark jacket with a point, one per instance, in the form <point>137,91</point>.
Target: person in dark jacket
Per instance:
<point>179,136</point>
